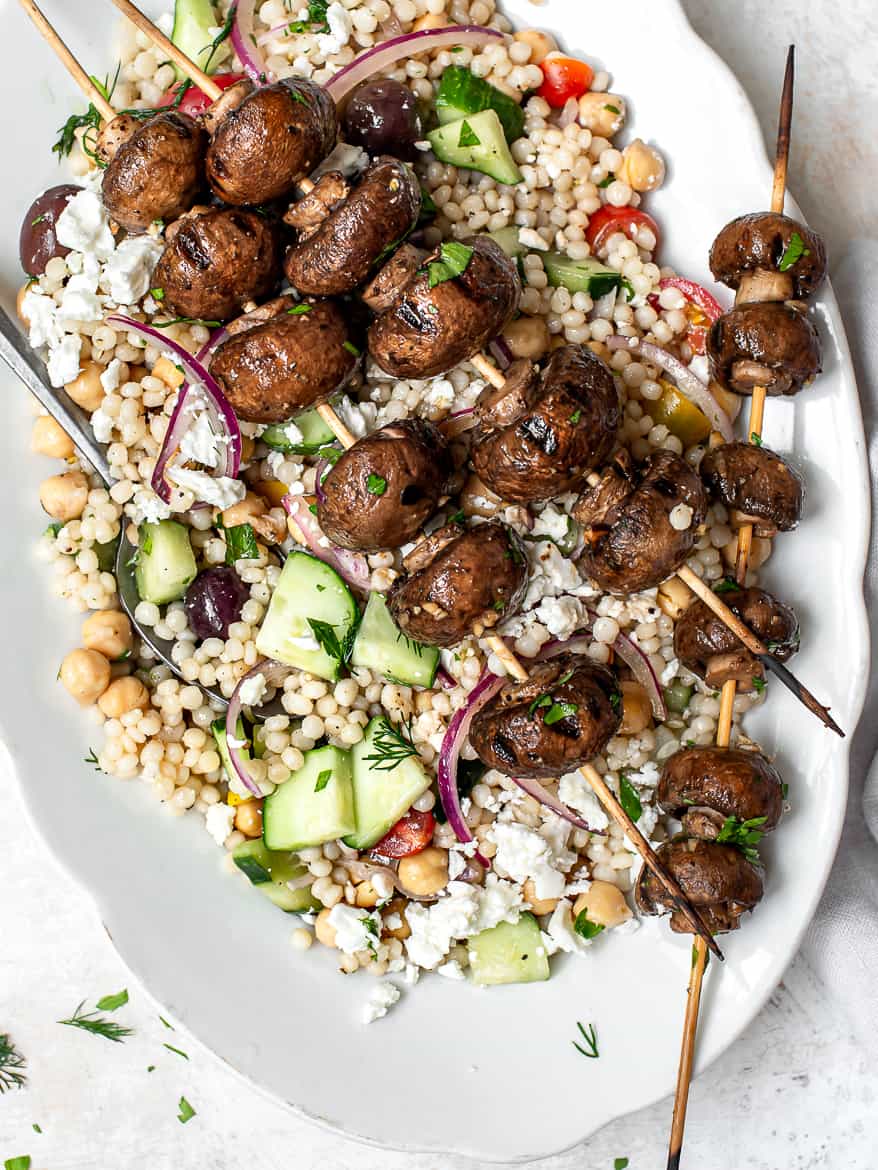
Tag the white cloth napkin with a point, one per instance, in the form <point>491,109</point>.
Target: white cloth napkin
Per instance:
<point>842,942</point>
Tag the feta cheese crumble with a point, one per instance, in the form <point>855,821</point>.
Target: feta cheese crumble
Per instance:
<point>84,226</point>
<point>525,855</point>
<point>354,930</point>
<point>464,911</point>
<point>222,492</point>
<point>128,271</point>
<point>253,690</point>
<point>219,820</point>
<point>381,999</point>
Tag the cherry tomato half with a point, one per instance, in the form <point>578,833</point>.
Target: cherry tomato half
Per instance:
<point>564,78</point>
<point>194,101</point>
<point>409,835</point>
<point>607,220</point>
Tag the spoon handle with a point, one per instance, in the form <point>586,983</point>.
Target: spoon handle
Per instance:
<point>22,360</point>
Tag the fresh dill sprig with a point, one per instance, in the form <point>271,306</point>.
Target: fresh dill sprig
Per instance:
<point>392,746</point>
<point>410,644</point>
<point>97,1025</point>
<point>11,1065</point>
<point>591,1041</point>
<point>221,37</point>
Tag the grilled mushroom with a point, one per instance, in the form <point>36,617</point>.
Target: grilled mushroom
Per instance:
<point>459,581</point>
<point>717,879</point>
<point>703,786</point>
<point>767,256</point>
<point>706,646</point>
<point>758,486</point>
<point>768,344</point>
<point>562,715</point>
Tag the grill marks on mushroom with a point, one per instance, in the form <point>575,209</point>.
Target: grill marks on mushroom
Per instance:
<point>757,485</point>
<point>385,487</point>
<point>460,581</point>
<point>769,343</point>
<point>717,879</point>
<point>707,647</point>
<point>562,715</point>
<point>703,786</point>
<point>632,541</point>
<point>539,438</point>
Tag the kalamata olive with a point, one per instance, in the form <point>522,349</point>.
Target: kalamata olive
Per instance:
<point>382,116</point>
<point>214,601</point>
<point>38,243</point>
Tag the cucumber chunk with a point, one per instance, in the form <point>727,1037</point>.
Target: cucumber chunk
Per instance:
<point>218,727</point>
<point>382,646</point>
<point>269,872</point>
<point>382,795</point>
<point>165,562</point>
<point>588,276</point>
<point>512,952</point>
<point>508,240</point>
<point>313,430</point>
<point>478,143</point>
<point>461,93</point>
<point>315,805</point>
<point>193,20</point>
<point>309,591</point>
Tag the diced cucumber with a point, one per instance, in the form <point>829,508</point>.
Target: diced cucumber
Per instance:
<point>315,805</point>
<point>193,20</point>
<point>270,872</point>
<point>381,794</point>
<point>106,554</point>
<point>512,952</point>
<point>309,591</point>
<point>218,727</point>
<point>314,431</point>
<point>588,276</point>
<point>478,143</point>
<point>462,93</point>
<point>165,562</point>
<point>382,646</point>
<point>508,240</point>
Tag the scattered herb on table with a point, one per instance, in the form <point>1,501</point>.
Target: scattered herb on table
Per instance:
<point>589,1037</point>
<point>110,1003</point>
<point>12,1064</point>
<point>178,1051</point>
<point>97,1025</point>
<point>186,1111</point>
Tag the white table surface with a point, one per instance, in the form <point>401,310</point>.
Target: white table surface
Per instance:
<point>795,1092</point>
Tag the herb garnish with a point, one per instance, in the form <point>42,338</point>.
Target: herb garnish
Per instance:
<point>458,517</point>
<point>794,251</point>
<point>157,294</point>
<point>613,109</point>
<point>323,779</point>
<point>744,835</point>
<point>415,647</point>
<point>726,585</point>
<point>186,321</point>
<point>759,684</point>
<point>468,136</point>
<point>222,36</point>
<point>620,1164</point>
<point>11,1065</point>
<point>784,790</point>
<point>36,1128</point>
<point>22,1162</point>
<point>591,1041</point>
<point>376,485</point>
<point>584,927</point>
<point>604,183</point>
<point>186,1111</point>
<point>40,219</point>
<point>314,22</point>
<point>351,348</point>
<point>392,746</point>
<point>177,1051</point>
<point>575,417</point>
<point>328,640</point>
<point>92,759</point>
<point>629,799</point>
<point>453,260</point>
<point>559,711</point>
<point>299,310</point>
<point>241,543</point>
<point>97,1025</point>
<point>90,120</point>
<point>755,439</point>
<point>110,1003</point>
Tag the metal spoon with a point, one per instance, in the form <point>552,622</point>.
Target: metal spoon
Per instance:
<point>28,367</point>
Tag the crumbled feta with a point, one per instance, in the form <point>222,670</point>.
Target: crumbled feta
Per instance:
<point>552,522</point>
<point>222,491</point>
<point>393,921</point>
<point>354,929</point>
<point>339,30</point>
<point>128,272</point>
<point>199,442</point>
<point>293,434</point>
<point>79,304</point>
<point>275,461</point>
<point>562,616</point>
<point>64,359</point>
<point>111,377</point>
<point>464,911</point>
<point>84,226</point>
<point>560,935</point>
<point>456,864</point>
<point>451,970</point>
<point>440,395</point>
<point>525,855</point>
<point>147,507</point>
<point>102,424</point>
<point>219,820</point>
<point>358,417</point>
<point>381,999</point>
<point>253,690</point>
<point>575,791</point>
<point>670,672</point>
<point>41,314</point>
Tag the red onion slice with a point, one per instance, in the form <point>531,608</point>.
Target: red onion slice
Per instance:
<point>687,383</point>
<point>697,294</point>
<point>501,352</point>
<point>213,342</point>
<point>535,789</point>
<point>274,673</point>
<point>352,566</point>
<point>223,421</point>
<point>244,40</point>
<point>449,754</point>
<point>387,53</point>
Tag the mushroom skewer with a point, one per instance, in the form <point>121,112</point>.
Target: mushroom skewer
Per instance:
<point>727,701</point>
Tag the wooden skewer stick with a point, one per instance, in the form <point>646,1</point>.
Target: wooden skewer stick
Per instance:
<point>206,84</point>
<point>72,66</point>
<point>727,701</point>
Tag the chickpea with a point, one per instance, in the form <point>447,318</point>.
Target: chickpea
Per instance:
<point>245,511</point>
<point>49,438</point>
<point>538,905</point>
<point>643,168</point>
<point>528,337</point>
<point>604,904</point>
<point>674,596</point>
<point>600,349</point>
<point>323,929</point>
<point>19,303</point>
<point>248,818</point>
<point>86,389</point>
<point>123,695</point>
<point>402,932</point>
<point>64,496</point>
<point>168,372</point>
<point>636,709</point>
<point>85,674</point>
<point>367,895</point>
<point>602,113</point>
<point>430,20</point>
<point>109,632</point>
<point>426,872</point>
<point>541,44</point>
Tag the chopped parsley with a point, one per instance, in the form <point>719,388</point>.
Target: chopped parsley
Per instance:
<point>40,219</point>
<point>726,585</point>
<point>616,701</point>
<point>186,1111</point>
<point>468,136</point>
<point>613,109</point>
<point>157,294</point>
<point>590,1039</point>
<point>453,260</point>
<point>575,417</point>
<point>323,779</point>
<point>604,183</point>
<point>457,517</point>
<point>755,439</point>
<point>744,835</point>
<point>22,1162</point>
<point>620,1164</point>
<point>241,543</point>
<point>376,485</point>
<point>759,684</point>
<point>316,20</point>
<point>110,1003</point>
<point>176,1051</point>
<point>629,799</point>
<point>36,1128</point>
<point>793,252</point>
<point>351,348</point>
<point>584,927</point>
<point>559,711</point>
<point>539,701</point>
<point>299,310</point>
